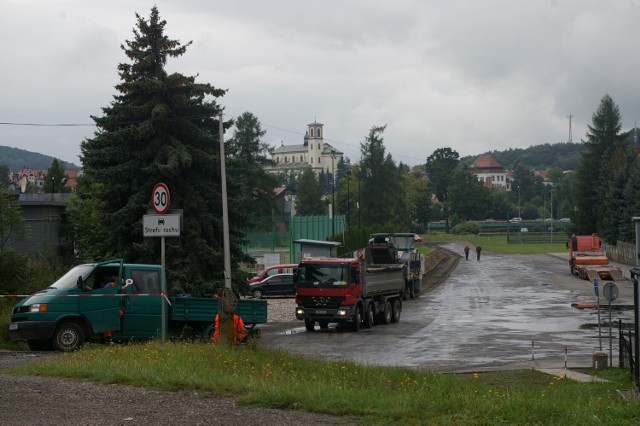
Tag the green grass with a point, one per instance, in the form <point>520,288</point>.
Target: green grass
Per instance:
<point>497,243</point>
<point>372,395</point>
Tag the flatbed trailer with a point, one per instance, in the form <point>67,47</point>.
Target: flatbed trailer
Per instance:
<point>588,260</point>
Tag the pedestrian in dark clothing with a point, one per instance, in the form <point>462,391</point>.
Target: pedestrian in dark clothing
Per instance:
<point>478,250</point>
<point>466,252</point>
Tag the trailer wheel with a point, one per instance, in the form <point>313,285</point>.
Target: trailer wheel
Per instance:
<point>369,319</point>
<point>397,310</point>
<point>309,324</point>
<point>68,337</point>
<point>357,319</point>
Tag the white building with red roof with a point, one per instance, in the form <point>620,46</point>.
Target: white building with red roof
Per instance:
<point>490,172</point>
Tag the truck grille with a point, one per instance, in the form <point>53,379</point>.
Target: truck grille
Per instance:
<point>322,301</point>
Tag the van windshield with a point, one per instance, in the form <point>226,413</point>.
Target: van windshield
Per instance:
<point>322,275</point>
<point>70,279</point>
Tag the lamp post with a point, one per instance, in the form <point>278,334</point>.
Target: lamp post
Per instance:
<point>519,215</point>
<point>359,192</point>
<point>369,196</point>
<point>333,192</point>
<point>348,174</point>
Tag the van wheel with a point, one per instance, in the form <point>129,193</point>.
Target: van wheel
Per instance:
<point>68,337</point>
<point>397,310</point>
<point>309,324</point>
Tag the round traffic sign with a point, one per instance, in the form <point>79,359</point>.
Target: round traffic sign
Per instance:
<point>160,198</point>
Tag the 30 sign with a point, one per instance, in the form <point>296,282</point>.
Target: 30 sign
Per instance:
<point>160,198</point>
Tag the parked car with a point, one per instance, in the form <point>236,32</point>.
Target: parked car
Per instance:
<point>275,285</point>
<point>564,220</point>
<point>418,239</point>
<point>516,220</point>
<point>273,270</point>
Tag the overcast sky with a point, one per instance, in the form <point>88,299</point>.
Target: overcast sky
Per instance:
<point>471,75</point>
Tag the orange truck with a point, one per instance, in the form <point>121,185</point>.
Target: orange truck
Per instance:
<point>588,260</point>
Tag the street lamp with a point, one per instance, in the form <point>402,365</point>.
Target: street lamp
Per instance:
<point>519,215</point>
<point>333,191</point>
<point>369,195</point>
<point>348,174</point>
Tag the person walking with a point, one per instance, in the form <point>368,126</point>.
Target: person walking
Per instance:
<point>466,252</point>
<point>478,250</point>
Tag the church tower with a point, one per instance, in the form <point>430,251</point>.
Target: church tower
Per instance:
<point>315,144</point>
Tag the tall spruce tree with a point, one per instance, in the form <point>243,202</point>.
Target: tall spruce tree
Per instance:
<point>309,195</point>
<point>160,127</point>
<point>603,137</point>
<point>383,191</point>
<point>440,166</point>
<point>247,158</point>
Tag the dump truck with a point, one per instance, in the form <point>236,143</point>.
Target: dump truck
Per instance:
<point>350,291</point>
<point>588,260</point>
<point>406,254</point>
<point>78,308</point>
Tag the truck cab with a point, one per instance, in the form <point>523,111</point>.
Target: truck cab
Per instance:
<point>80,307</point>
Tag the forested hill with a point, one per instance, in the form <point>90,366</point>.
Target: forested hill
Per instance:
<point>16,159</point>
<point>539,157</point>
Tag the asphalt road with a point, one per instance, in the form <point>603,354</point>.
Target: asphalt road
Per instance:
<point>503,312</point>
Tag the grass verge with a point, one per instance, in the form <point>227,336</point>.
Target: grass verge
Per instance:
<point>497,244</point>
<point>372,395</point>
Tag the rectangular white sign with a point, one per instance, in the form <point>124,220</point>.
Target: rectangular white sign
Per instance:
<point>161,225</point>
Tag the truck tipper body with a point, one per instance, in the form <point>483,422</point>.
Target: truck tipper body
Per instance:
<point>78,308</point>
<point>588,260</point>
<point>349,291</point>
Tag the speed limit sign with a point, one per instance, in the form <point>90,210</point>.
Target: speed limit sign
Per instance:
<point>160,198</point>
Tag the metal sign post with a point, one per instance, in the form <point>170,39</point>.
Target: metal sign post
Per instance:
<point>595,289</point>
<point>611,292</point>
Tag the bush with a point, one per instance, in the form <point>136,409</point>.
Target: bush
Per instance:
<point>466,228</point>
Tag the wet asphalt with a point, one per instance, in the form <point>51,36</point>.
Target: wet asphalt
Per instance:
<point>502,312</point>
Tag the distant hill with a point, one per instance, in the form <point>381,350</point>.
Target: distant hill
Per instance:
<point>564,155</point>
<point>16,159</point>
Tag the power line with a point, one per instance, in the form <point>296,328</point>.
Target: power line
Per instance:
<point>6,123</point>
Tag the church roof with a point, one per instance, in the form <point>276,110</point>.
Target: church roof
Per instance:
<point>286,149</point>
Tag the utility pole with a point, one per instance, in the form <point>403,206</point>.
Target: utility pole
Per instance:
<point>570,135</point>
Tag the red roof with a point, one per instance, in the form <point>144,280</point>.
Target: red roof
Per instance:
<point>486,161</point>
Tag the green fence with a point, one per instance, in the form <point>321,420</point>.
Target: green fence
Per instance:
<point>276,234</point>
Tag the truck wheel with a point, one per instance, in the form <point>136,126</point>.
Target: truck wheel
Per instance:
<point>68,337</point>
<point>39,345</point>
<point>387,314</point>
<point>397,310</point>
<point>357,319</point>
<point>309,324</point>
<point>323,325</point>
<point>257,294</point>
<point>369,319</point>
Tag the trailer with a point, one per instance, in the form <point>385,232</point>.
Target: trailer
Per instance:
<point>588,260</point>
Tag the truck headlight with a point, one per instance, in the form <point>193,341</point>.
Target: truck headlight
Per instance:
<point>299,313</point>
<point>38,307</point>
<point>343,312</point>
